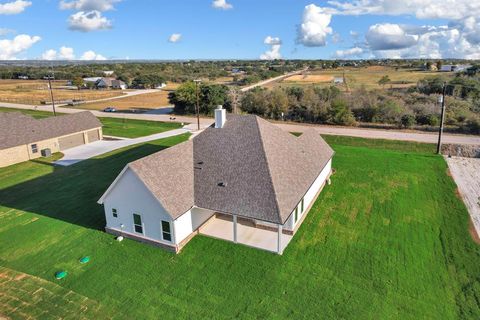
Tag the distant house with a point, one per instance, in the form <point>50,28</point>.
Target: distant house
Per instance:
<point>244,180</point>
<point>338,80</point>
<point>454,67</point>
<point>108,73</point>
<point>110,83</point>
<point>23,77</point>
<point>24,138</point>
<point>91,80</point>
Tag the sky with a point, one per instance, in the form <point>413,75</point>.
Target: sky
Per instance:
<point>238,29</point>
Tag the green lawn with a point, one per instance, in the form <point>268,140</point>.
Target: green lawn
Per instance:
<point>130,128</point>
<point>127,128</point>
<point>387,240</point>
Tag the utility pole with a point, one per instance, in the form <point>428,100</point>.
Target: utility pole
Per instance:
<point>51,95</point>
<point>442,119</point>
<point>197,107</point>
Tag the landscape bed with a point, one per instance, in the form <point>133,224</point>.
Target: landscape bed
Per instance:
<point>388,239</point>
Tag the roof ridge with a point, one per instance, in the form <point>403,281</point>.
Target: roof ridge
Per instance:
<point>264,154</point>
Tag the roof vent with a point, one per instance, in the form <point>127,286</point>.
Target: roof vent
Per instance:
<point>220,117</point>
<point>221,184</point>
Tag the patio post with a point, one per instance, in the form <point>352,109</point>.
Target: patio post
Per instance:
<point>279,248</point>
<point>235,228</point>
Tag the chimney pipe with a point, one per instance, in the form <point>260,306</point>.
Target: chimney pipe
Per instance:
<point>220,117</point>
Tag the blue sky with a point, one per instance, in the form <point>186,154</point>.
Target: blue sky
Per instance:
<point>219,29</point>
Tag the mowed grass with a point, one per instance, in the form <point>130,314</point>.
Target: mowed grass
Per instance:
<point>387,240</point>
<point>130,128</point>
<point>35,91</point>
<point>127,128</point>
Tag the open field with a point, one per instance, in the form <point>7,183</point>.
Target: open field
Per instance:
<point>358,77</point>
<point>388,239</point>
<point>34,91</point>
<point>127,128</point>
<point>142,101</point>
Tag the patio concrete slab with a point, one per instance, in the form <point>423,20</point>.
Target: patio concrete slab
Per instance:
<point>247,235</point>
<point>87,151</point>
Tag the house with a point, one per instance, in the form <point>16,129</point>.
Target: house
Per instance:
<point>454,68</point>
<point>244,180</point>
<point>338,80</point>
<point>91,80</point>
<point>108,73</point>
<point>112,83</point>
<point>23,138</point>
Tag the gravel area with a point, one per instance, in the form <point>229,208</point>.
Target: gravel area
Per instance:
<point>466,173</point>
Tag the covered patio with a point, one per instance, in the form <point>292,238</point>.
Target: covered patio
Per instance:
<point>244,231</point>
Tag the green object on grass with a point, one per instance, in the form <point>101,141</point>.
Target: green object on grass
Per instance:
<point>85,259</point>
<point>60,274</point>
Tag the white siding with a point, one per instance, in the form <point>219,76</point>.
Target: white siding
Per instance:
<point>309,196</point>
<point>190,221</point>
<point>130,196</point>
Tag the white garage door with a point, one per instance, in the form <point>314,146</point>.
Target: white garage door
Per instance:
<point>71,141</point>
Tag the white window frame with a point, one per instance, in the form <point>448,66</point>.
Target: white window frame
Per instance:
<point>142,224</point>
<point>170,232</point>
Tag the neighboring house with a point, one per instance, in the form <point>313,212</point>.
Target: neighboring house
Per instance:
<point>91,80</point>
<point>23,77</point>
<point>110,83</point>
<point>108,73</point>
<point>24,138</point>
<point>244,180</point>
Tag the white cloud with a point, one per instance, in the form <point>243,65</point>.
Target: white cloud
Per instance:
<point>175,37</point>
<point>66,53</point>
<point>274,53</point>
<point>421,9</point>
<point>315,26</point>
<point>354,52</point>
<point>9,49</point>
<point>88,21</point>
<point>88,5</point>
<point>49,55</point>
<point>14,7</point>
<point>272,40</point>
<point>221,4</point>
<point>5,31</point>
<point>389,36</point>
<point>91,55</point>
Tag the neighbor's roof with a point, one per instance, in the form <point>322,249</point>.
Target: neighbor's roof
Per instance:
<point>265,171</point>
<point>19,129</point>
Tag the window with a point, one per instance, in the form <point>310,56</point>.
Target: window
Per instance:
<point>114,213</point>
<point>301,206</point>
<point>34,148</point>
<point>137,223</point>
<point>166,233</point>
<point>296,214</point>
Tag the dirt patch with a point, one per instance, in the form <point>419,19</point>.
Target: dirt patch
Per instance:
<point>310,78</point>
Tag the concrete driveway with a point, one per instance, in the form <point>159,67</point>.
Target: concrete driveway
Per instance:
<point>87,151</point>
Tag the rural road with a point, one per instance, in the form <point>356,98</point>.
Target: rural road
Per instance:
<point>322,129</point>
<point>264,82</point>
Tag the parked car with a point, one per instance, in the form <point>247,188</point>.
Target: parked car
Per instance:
<point>109,109</point>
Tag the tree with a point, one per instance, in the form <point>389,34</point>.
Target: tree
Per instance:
<point>184,98</point>
<point>278,103</point>
<point>384,80</point>
<point>408,120</point>
<point>339,113</point>
<point>78,82</point>
<point>439,64</point>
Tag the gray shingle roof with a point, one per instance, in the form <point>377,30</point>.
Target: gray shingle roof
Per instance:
<point>19,129</point>
<point>249,167</point>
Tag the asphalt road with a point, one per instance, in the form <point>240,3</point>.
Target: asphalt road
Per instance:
<point>322,129</point>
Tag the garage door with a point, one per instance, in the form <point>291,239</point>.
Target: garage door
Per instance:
<point>93,135</point>
<point>71,141</point>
